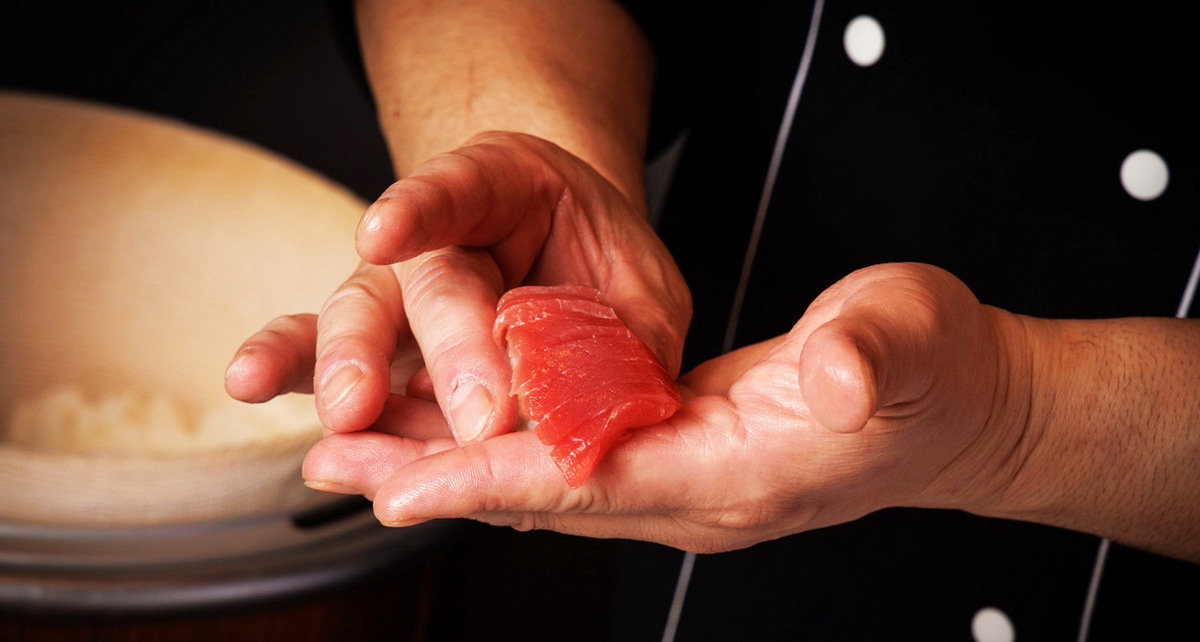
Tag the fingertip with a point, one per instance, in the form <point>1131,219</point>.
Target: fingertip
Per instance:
<point>277,359</point>
<point>362,461</point>
<point>422,495</point>
<point>238,382</point>
<point>316,467</point>
<point>470,408</point>
<point>476,413</point>
<point>325,468</point>
<point>401,522</point>
<point>401,223</point>
<point>397,513</point>
<point>248,377</point>
<point>377,237</point>
<point>350,396</point>
<point>332,487</point>
<point>837,381</point>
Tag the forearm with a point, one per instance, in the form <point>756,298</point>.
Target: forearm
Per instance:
<point>575,73</point>
<point>1113,438</point>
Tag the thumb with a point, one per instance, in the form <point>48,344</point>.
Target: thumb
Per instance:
<point>837,378</point>
<point>882,340</point>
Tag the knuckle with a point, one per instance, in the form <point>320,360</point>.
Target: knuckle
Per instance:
<point>281,332</point>
<point>751,513</point>
<point>588,499</point>
<point>738,519</point>
<point>431,276</point>
<point>526,522</point>
<point>288,323</point>
<point>356,294</point>
<point>438,277</point>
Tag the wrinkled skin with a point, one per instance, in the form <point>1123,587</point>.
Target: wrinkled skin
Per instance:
<point>759,463</point>
<point>883,393</point>
<point>439,247</point>
<point>896,387</point>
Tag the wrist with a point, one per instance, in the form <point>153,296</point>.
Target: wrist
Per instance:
<point>1019,419</point>
<point>576,74</point>
<point>986,478</point>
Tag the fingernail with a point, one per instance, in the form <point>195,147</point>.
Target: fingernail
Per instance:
<point>401,522</point>
<point>332,487</point>
<point>470,410</point>
<point>236,366</point>
<point>370,222</point>
<point>339,385</point>
<point>399,512</point>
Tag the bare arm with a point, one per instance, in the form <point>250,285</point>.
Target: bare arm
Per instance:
<point>518,131</point>
<point>576,73</point>
<point>1112,445</point>
<point>896,388</point>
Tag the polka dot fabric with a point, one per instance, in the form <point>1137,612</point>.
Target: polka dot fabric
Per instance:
<point>1044,155</point>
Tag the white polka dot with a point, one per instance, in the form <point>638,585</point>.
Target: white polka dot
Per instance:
<point>863,41</point>
<point>1144,175</point>
<point>992,625</point>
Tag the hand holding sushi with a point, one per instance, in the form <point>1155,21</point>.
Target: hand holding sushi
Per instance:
<point>486,202</point>
<point>897,388</point>
<point>504,209</point>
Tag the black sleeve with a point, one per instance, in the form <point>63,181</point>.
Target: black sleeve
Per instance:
<point>678,40</point>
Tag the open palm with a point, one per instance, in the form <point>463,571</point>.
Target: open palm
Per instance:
<point>865,404</point>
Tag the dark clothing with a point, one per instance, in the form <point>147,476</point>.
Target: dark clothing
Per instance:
<point>986,140</point>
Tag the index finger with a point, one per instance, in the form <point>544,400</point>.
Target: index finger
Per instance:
<point>483,194</point>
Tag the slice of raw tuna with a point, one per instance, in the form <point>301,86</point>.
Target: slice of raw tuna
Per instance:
<point>580,375</point>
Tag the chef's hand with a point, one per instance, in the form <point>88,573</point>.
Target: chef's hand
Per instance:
<point>414,323</point>
<point>885,393</point>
